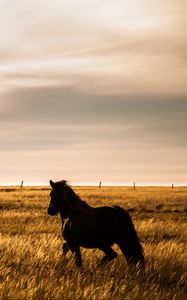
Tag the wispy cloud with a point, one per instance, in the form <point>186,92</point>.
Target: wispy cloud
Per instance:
<point>92,88</point>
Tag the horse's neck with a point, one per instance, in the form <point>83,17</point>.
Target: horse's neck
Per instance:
<point>80,204</point>
<point>76,203</point>
<point>85,205</point>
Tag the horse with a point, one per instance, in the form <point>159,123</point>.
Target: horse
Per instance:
<point>94,227</point>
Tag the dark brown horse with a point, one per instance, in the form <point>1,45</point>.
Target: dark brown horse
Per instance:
<point>89,227</point>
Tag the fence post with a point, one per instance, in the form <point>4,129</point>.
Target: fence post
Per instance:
<point>21,186</point>
<point>134,185</point>
<point>100,184</point>
<point>172,185</point>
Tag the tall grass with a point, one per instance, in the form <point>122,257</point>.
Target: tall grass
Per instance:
<point>31,264</point>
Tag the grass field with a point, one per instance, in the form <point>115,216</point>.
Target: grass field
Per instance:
<point>31,265</point>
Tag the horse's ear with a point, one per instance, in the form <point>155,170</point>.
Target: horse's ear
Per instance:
<point>52,184</point>
<point>64,182</point>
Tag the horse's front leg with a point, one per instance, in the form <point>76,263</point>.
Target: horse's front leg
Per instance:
<point>77,255</point>
<point>78,258</point>
<point>65,249</point>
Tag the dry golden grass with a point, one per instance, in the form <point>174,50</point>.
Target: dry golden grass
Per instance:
<point>31,266</point>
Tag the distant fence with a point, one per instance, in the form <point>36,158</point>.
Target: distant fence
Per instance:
<point>134,186</point>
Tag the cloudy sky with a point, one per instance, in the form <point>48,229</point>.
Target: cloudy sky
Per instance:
<point>93,90</point>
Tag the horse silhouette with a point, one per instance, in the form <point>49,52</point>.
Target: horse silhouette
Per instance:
<point>94,227</point>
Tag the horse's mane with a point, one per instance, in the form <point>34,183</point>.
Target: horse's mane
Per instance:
<point>72,194</point>
<point>75,199</point>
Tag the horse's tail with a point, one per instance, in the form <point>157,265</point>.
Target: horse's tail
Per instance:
<point>128,239</point>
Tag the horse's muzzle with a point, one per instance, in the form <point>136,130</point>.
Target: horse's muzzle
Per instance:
<point>51,211</point>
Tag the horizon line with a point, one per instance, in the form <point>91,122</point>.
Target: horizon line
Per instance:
<point>103,184</point>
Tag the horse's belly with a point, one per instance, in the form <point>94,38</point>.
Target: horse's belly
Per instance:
<point>89,245</point>
<point>95,245</point>
<point>93,241</point>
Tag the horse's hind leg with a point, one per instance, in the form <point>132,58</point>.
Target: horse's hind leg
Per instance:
<point>110,254</point>
<point>133,258</point>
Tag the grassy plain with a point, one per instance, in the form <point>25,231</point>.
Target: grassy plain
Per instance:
<point>31,266</point>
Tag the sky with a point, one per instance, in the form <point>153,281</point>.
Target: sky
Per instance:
<point>93,91</point>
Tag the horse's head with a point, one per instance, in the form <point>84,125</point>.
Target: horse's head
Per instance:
<point>58,202</point>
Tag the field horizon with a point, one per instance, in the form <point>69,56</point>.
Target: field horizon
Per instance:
<point>103,184</point>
